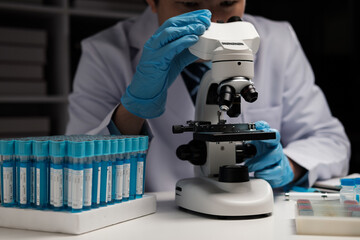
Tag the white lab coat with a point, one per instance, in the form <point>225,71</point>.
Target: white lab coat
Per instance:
<point>288,100</point>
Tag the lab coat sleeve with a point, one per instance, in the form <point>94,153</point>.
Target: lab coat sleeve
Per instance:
<point>311,136</point>
<point>95,96</point>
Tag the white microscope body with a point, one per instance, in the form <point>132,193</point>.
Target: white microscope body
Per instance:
<point>224,187</point>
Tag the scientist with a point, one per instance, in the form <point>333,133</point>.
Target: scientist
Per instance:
<point>130,81</point>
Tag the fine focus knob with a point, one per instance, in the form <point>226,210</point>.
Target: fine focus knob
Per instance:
<point>234,173</point>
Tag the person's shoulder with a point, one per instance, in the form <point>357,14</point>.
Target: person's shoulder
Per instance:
<point>132,32</point>
<point>269,27</point>
<point>116,33</point>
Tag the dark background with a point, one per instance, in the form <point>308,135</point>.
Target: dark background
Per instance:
<point>329,34</point>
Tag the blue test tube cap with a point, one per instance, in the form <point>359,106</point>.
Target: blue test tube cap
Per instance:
<point>76,149</point>
<point>121,145</point>
<point>347,182</point>
<point>57,148</point>
<point>7,147</point>
<point>23,147</point>
<point>106,147</point>
<point>144,143</point>
<point>135,144</point>
<point>128,145</point>
<point>357,181</point>
<point>98,147</point>
<point>89,148</point>
<point>114,146</point>
<point>40,148</point>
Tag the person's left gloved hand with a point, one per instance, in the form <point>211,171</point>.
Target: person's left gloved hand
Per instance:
<point>270,162</point>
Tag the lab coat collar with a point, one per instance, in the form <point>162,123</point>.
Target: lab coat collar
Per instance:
<point>144,27</point>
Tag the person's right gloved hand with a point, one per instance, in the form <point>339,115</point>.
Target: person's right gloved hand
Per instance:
<point>164,56</point>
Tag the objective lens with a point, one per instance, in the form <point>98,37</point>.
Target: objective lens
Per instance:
<point>249,93</point>
<point>226,97</point>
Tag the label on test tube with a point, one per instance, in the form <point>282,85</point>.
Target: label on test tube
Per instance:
<point>77,188</point>
<point>119,180</point>
<point>57,185</point>
<point>23,185</point>
<point>8,184</point>
<point>51,185</point>
<point>98,185</point>
<point>139,177</point>
<point>109,183</point>
<point>126,186</point>
<point>37,186</point>
<point>69,186</point>
<point>88,172</point>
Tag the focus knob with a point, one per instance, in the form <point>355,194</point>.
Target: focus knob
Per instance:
<point>234,173</point>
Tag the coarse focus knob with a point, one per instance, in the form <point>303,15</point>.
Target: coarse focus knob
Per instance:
<point>234,173</point>
<point>194,152</point>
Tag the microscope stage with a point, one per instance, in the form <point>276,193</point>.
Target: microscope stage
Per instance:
<point>233,137</point>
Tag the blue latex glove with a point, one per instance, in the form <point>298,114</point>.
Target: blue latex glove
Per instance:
<point>270,162</point>
<point>164,56</point>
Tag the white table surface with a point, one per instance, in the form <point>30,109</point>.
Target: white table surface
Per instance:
<point>169,222</point>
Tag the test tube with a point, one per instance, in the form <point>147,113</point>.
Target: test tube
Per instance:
<point>67,175</point>
<point>119,170</point>
<point>88,173</point>
<point>114,149</point>
<point>133,165</point>
<point>57,156</point>
<point>23,164</point>
<point>140,175</point>
<point>127,163</point>
<point>76,160</point>
<point>7,173</point>
<point>105,189</point>
<point>41,156</point>
<point>98,150</point>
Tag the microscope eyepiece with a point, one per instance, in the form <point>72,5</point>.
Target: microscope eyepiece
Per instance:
<point>234,19</point>
<point>249,93</point>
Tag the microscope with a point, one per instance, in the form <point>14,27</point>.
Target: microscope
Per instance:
<point>223,187</point>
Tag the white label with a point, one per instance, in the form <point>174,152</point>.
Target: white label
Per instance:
<point>119,181</point>
<point>139,177</point>
<point>51,186</point>
<point>87,186</point>
<point>32,184</point>
<point>98,186</point>
<point>109,183</point>
<point>77,188</point>
<point>23,183</point>
<point>66,185</point>
<point>69,187</point>
<point>126,187</point>
<point>57,184</point>
<point>8,174</point>
<point>38,186</point>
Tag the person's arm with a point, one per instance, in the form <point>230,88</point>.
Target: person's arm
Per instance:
<point>297,170</point>
<point>126,122</point>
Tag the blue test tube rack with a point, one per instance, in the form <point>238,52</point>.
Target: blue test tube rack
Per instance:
<point>71,173</point>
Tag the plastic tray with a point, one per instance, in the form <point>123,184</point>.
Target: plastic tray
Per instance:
<point>76,223</point>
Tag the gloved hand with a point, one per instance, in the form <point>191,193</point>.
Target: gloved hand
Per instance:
<point>164,56</point>
<point>270,162</point>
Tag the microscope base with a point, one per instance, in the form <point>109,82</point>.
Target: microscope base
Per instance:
<point>209,196</point>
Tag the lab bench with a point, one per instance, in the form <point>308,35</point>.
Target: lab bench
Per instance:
<point>169,222</point>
